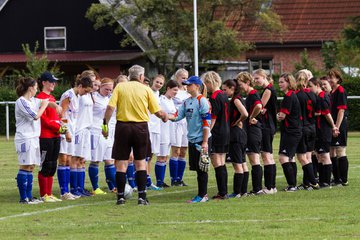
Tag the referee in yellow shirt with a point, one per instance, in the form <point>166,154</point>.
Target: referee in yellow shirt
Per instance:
<point>133,102</point>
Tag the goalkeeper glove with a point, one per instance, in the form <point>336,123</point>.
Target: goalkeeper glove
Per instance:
<point>63,129</point>
<point>105,129</point>
<point>204,160</point>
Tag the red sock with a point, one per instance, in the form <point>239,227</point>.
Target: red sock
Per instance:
<point>42,184</point>
<point>49,185</point>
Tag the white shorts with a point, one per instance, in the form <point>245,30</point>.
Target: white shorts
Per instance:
<point>178,134</point>
<point>164,149</point>
<point>100,148</point>
<point>28,151</point>
<point>155,143</point>
<point>83,144</point>
<point>67,147</point>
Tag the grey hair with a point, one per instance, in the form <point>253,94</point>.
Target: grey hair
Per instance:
<point>135,71</point>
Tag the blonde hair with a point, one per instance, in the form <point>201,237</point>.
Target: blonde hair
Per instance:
<point>162,77</point>
<point>121,78</point>
<point>213,78</point>
<point>264,74</point>
<point>307,72</point>
<point>180,71</point>
<point>106,80</point>
<point>86,73</point>
<point>245,77</point>
<point>301,80</point>
<point>290,79</point>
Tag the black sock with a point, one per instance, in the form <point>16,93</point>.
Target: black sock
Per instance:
<point>315,165</point>
<point>120,178</point>
<point>289,174</point>
<point>238,181</point>
<point>202,178</point>
<point>140,177</point>
<point>218,176</point>
<point>256,177</point>
<point>321,173</point>
<point>244,186</point>
<point>308,169</point>
<point>268,176</point>
<point>306,181</point>
<point>343,168</point>
<point>335,169</point>
<point>327,173</point>
<point>294,166</point>
<point>224,180</point>
<point>273,182</point>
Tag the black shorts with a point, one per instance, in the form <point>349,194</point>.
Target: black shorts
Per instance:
<point>131,135</point>
<point>254,138</point>
<point>194,155</point>
<point>341,140</point>
<point>267,140</point>
<point>322,146</point>
<point>219,148</point>
<point>50,147</point>
<point>307,141</point>
<point>289,143</point>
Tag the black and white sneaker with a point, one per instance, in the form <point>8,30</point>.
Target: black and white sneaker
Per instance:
<point>290,189</point>
<point>143,201</point>
<point>120,201</point>
<point>163,185</point>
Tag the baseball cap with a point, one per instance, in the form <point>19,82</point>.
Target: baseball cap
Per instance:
<point>192,80</point>
<point>47,76</point>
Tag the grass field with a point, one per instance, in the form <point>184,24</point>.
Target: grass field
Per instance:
<point>325,214</point>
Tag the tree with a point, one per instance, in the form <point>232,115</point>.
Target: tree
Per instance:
<point>329,51</point>
<point>306,63</point>
<point>349,44</point>
<point>36,65</point>
<point>167,26</point>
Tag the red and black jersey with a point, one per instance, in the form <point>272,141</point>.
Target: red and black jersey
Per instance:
<point>268,119</point>
<point>291,107</point>
<point>221,112</point>
<point>307,100</point>
<point>234,112</point>
<point>251,101</point>
<point>50,121</point>
<point>323,127</point>
<point>338,101</point>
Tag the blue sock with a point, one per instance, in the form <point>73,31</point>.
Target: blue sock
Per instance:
<point>29,185</point>
<point>80,179</point>
<point>160,169</point>
<point>181,169</point>
<point>173,164</point>
<point>73,180</point>
<point>21,180</point>
<point>61,175</point>
<point>94,175</point>
<point>148,181</point>
<point>67,179</point>
<point>130,173</point>
<point>110,173</point>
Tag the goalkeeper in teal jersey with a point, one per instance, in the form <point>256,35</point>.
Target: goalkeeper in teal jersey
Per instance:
<point>197,111</point>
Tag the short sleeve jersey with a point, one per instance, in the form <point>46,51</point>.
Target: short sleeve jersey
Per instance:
<point>323,128</point>
<point>154,123</point>
<point>85,114</point>
<point>220,111</point>
<point>251,101</point>
<point>338,101</point>
<point>198,116</point>
<point>167,105</point>
<point>307,100</point>
<point>25,114</point>
<point>291,107</point>
<point>133,101</point>
<point>234,112</point>
<point>179,99</point>
<point>268,119</point>
<point>100,104</point>
<point>73,109</point>
<point>50,121</point>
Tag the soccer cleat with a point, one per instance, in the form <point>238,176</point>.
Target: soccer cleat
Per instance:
<point>315,186</point>
<point>98,191</point>
<point>47,199</point>
<point>274,190</point>
<point>67,196</point>
<point>75,194</point>
<point>198,199</point>
<point>120,201</point>
<point>26,201</point>
<point>114,190</point>
<point>290,189</point>
<point>163,185</point>
<point>35,201</point>
<point>219,197</point>
<point>245,195</point>
<point>253,193</point>
<point>179,184</point>
<point>345,183</point>
<point>302,187</point>
<point>143,201</point>
<point>234,195</point>
<point>85,193</point>
<point>325,185</point>
<point>154,187</point>
<point>55,198</point>
<point>268,191</point>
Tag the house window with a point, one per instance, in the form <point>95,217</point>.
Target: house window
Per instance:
<point>55,38</point>
<point>265,63</point>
